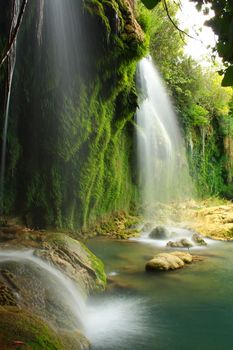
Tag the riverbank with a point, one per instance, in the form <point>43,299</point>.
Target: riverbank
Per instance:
<point>212,218</point>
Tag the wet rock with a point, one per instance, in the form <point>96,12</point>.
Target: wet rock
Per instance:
<point>164,262</point>
<point>168,261</point>
<point>160,232</point>
<point>182,243</point>
<point>198,239</point>
<point>26,285</point>
<point>186,257</point>
<point>7,298</point>
<point>19,328</point>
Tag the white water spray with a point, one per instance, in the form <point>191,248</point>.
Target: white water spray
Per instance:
<point>107,323</point>
<point>163,171</point>
<point>72,296</point>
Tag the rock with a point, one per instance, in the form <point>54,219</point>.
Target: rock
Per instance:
<point>198,239</point>
<point>183,243</point>
<point>40,297</point>
<point>7,297</point>
<point>160,232</point>
<point>75,259</point>
<point>186,257</point>
<point>168,261</point>
<point>176,244</point>
<point>164,262</point>
<point>18,327</point>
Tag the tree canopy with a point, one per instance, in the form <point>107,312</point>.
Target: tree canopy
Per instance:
<point>222,25</point>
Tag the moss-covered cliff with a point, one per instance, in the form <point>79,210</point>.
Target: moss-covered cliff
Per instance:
<point>69,153</point>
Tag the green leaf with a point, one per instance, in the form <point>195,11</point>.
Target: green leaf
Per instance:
<point>150,4</point>
<point>228,77</point>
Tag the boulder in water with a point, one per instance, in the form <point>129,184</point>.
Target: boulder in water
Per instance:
<point>160,232</point>
<point>186,257</point>
<point>36,284</point>
<point>168,261</point>
<point>198,239</point>
<point>182,243</point>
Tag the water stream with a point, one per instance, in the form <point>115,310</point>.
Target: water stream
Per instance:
<point>68,291</point>
<point>100,319</point>
<point>162,164</point>
<point>191,307</point>
<point>62,37</point>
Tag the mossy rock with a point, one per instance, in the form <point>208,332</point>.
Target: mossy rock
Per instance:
<point>69,255</point>
<point>82,265</point>
<point>33,333</point>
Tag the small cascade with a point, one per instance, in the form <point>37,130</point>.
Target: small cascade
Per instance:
<point>10,72</point>
<point>163,170</point>
<point>106,322</point>
<point>68,291</point>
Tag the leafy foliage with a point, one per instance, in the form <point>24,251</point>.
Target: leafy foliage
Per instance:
<point>222,26</point>
<point>201,103</point>
<point>74,144</point>
<point>150,4</point>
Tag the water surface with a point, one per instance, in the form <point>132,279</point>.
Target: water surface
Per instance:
<point>188,308</point>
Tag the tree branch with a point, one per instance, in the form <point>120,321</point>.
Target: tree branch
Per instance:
<point>175,25</point>
<point>14,35</point>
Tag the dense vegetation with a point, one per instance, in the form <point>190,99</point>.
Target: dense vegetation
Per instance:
<point>203,105</point>
<point>70,151</point>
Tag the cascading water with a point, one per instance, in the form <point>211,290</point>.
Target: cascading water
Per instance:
<point>163,171</point>
<point>69,294</point>
<point>63,37</point>
<point>11,59</point>
<point>106,323</point>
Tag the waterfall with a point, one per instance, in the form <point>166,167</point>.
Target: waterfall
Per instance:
<point>191,145</point>
<point>10,72</point>
<point>163,170</point>
<point>105,322</point>
<point>63,33</point>
<point>69,292</point>
<point>40,21</point>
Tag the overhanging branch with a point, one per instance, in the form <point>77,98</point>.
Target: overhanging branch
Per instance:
<point>172,21</point>
<point>14,35</point>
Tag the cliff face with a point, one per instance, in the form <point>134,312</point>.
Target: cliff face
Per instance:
<point>69,146</point>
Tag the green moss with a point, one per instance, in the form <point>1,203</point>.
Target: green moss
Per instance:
<point>118,225</point>
<point>98,266</point>
<point>72,246</point>
<point>74,149</point>
<point>18,325</point>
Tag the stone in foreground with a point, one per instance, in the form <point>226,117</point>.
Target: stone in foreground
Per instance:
<point>168,261</point>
